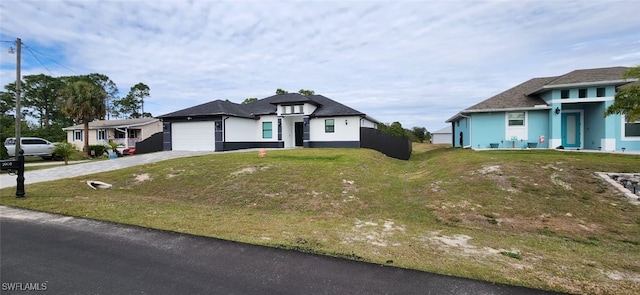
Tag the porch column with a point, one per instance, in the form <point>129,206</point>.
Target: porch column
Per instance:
<point>166,136</point>
<point>280,141</point>
<point>279,129</point>
<point>126,138</point>
<point>555,125</point>
<point>608,141</point>
<point>305,131</point>
<point>218,135</point>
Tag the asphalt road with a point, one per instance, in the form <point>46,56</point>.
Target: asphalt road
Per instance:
<point>66,255</point>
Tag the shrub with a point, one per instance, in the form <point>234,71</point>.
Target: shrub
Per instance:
<point>97,150</point>
<point>113,145</point>
<point>3,151</point>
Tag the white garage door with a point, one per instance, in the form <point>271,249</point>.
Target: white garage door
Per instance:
<point>193,136</point>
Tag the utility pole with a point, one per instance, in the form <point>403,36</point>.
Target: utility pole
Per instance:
<point>19,154</point>
<point>18,80</point>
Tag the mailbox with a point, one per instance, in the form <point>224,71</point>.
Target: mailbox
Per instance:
<point>9,165</point>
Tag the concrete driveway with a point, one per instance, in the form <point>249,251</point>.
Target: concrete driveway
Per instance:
<point>91,167</point>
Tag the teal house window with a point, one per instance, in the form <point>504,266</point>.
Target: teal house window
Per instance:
<point>267,129</point>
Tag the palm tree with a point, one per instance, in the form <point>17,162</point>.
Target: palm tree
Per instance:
<point>64,150</point>
<point>84,101</point>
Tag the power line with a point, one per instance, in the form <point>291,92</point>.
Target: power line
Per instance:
<point>39,60</point>
<point>52,60</point>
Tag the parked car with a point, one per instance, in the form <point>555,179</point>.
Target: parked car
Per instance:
<point>129,151</point>
<point>32,146</point>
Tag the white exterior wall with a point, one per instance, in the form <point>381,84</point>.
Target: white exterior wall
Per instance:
<point>79,144</point>
<point>274,128</point>
<point>342,131</point>
<point>366,123</point>
<point>241,129</point>
<point>307,109</point>
<point>438,138</point>
<point>149,129</point>
<point>288,130</point>
<point>249,130</point>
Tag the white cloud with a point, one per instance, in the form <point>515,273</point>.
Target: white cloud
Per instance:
<point>417,62</point>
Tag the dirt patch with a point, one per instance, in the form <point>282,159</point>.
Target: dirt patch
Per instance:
<point>175,173</point>
<point>142,177</point>
<point>490,169</point>
<point>495,173</point>
<point>374,233</point>
<point>348,186</point>
<point>249,170</point>
<point>460,243</point>
<point>623,276</point>
<point>555,178</point>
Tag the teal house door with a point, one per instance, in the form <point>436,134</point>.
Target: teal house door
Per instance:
<point>571,130</point>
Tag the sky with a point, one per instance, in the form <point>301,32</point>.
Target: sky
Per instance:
<point>414,62</point>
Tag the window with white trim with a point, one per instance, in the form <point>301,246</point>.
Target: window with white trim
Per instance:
<point>133,133</point>
<point>77,135</point>
<point>632,129</point>
<point>329,126</point>
<point>101,134</point>
<point>515,119</point>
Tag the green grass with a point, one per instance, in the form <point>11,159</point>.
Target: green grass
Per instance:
<point>529,217</point>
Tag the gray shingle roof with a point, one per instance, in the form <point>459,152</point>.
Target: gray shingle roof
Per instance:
<point>212,108</point>
<point>590,75</point>
<point>326,107</point>
<point>525,94</point>
<point>329,108</point>
<point>515,97</point>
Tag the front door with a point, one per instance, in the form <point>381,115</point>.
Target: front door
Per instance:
<point>571,132</point>
<point>299,134</point>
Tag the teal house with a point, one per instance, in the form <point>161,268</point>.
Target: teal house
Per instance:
<point>552,112</point>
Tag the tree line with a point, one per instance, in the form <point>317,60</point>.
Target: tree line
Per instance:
<point>49,104</point>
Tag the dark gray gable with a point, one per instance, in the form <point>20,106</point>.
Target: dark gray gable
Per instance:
<point>515,97</point>
<point>212,108</point>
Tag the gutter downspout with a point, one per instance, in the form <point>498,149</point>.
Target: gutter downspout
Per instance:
<point>224,130</point>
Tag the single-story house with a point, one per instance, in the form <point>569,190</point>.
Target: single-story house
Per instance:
<point>552,112</point>
<point>279,121</point>
<point>443,135</point>
<point>123,132</point>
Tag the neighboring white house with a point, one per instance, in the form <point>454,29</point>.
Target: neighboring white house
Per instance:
<point>123,132</point>
<point>443,135</point>
<point>279,121</point>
